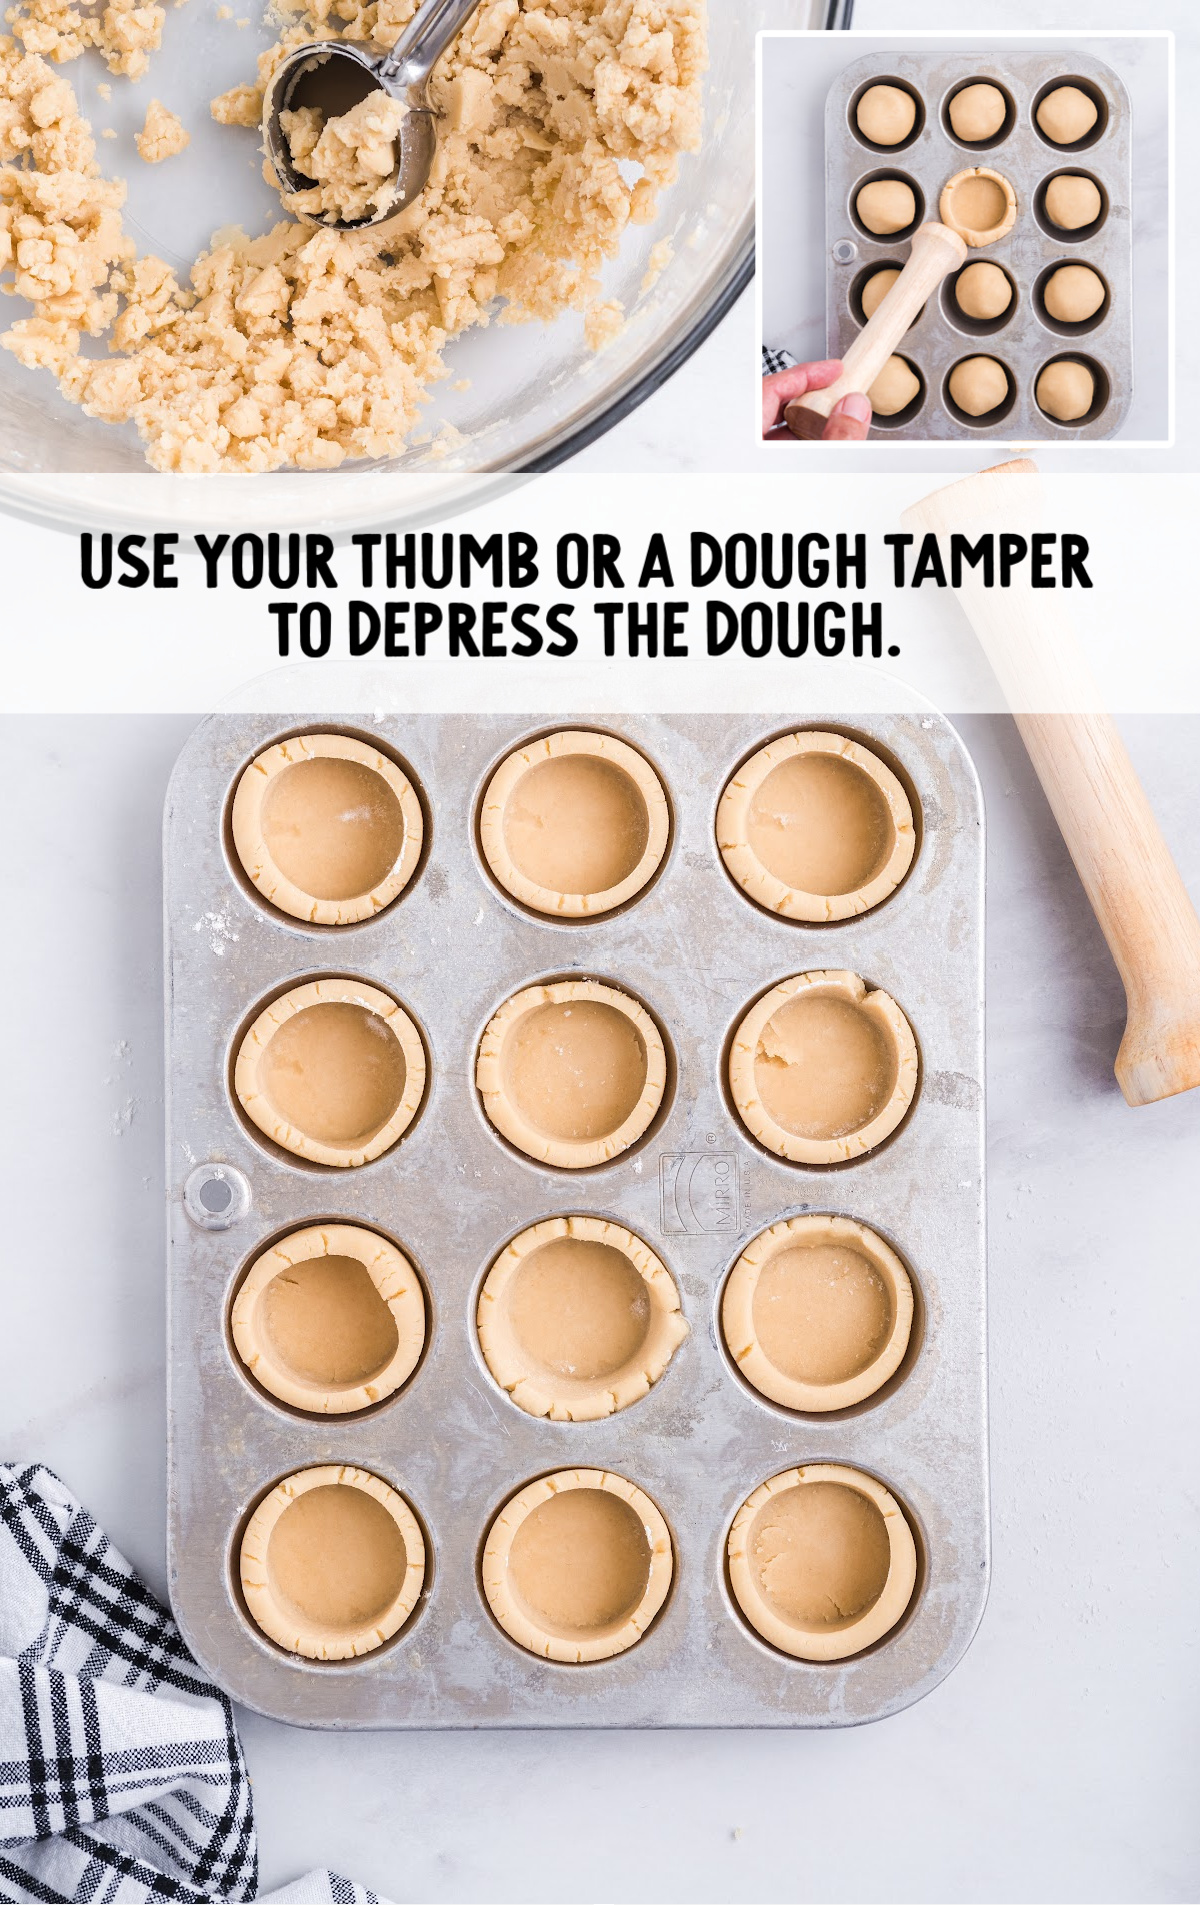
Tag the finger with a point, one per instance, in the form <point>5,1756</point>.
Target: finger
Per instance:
<point>849,421</point>
<point>782,385</point>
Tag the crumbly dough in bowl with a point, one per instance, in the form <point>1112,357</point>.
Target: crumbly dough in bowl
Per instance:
<point>578,1318</point>
<point>815,827</point>
<point>822,1070</point>
<point>572,1073</point>
<point>574,823</point>
<point>327,828</point>
<point>559,124</point>
<point>822,1561</point>
<point>330,1319</point>
<point>332,1563</point>
<point>577,1565</point>
<point>817,1313</point>
<point>333,1071</point>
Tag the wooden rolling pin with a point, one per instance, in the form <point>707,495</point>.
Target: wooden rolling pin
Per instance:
<point>1090,782</point>
<point>935,251</point>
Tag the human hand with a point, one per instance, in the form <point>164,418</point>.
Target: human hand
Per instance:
<point>848,422</point>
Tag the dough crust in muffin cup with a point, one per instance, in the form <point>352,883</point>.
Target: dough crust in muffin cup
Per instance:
<point>821,1070</point>
<point>330,1319</point>
<point>577,1565</point>
<point>822,1562</point>
<point>574,824</point>
<point>578,1318</point>
<point>333,1071</point>
<point>572,1073</point>
<point>979,204</point>
<point>327,828</point>
<point>332,1563</point>
<point>817,1313</point>
<point>816,827</point>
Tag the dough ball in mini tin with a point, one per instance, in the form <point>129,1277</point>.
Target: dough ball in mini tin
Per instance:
<point>896,386</point>
<point>1073,201</point>
<point>886,115</point>
<point>886,205</point>
<point>1067,115</point>
<point>977,112</point>
<point>1074,293</point>
<point>1066,390</point>
<point>978,385</point>
<point>982,291</point>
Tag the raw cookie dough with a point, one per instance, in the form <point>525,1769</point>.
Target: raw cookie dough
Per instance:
<point>577,1318</point>
<point>822,1561</point>
<point>816,827</point>
<point>333,1071</point>
<point>571,1073</point>
<point>980,205</point>
<point>982,291</point>
<point>822,1070</point>
<point>1067,115</point>
<point>162,136</point>
<point>886,115</point>
<point>977,112</point>
<point>332,1563</point>
<point>577,1565</point>
<point>978,385</point>
<point>1066,390</point>
<point>1073,201</point>
<point>1074,293</point>
<point>886,205</point>
<point>351,159</point>
<point>895,388</point>
<point>817,1313</point>
<point>328,829</point>
<point>574,824</point>
<point>330,1319</point>
<point>558,128</point>
<point>876,289</point>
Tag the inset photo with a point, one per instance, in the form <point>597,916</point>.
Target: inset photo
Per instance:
<point>966,239</point>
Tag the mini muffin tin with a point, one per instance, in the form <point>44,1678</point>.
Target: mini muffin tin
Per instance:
<point>1025,339</point>
<point>452,1194</point>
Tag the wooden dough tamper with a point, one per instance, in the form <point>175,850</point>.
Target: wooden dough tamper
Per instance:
<point>936,250</point>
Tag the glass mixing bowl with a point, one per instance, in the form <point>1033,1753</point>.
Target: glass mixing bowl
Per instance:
<point>536,393</point>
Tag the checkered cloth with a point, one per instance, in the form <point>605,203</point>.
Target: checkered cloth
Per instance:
<point>775,360</point>
<point>121,1773</point>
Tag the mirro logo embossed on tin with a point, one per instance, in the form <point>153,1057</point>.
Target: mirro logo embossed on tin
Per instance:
<point>700,1193</point>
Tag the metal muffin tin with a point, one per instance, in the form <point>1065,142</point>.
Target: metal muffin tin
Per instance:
<point>452,1194</point>
<point>941,335</point>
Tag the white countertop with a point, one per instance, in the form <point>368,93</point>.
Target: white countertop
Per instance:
<point>1058,1759</point>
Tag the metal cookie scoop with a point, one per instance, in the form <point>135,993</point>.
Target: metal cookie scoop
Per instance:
<point>335,74</point>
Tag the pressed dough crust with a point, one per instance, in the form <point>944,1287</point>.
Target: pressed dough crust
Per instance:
<point>330,1319</point>
<point>821,1070</point>
<point>1067,114</point>
<point>979,204</point>
<point>1074,294</point>
<point>978,385</point>
<point>894,388</point>
<point>577,1565</point>
<point>327,828</point>
<point>886,115</point>
<point>982,291</point>
<point>822,1561</point>
<point>574,824</point>
<point>571,1073</point>
<point>1066,390</point>
<point>815,827</point>
<point>332,1563</point>
<point>817,1313</point>
<point>886,205</point>
<point>578,1318</point>
<point>333,1071</point>
<point>1073,201</point>
<point>977,112</point>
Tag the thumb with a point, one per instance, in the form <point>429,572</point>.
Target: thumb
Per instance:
<point>849,420</point>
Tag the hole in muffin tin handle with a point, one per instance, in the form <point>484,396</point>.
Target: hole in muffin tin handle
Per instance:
<point>216,1196</point>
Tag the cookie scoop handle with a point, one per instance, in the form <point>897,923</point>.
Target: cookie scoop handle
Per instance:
<point>935,251</point>
<point>1125,866</point>
<point>423,42</point>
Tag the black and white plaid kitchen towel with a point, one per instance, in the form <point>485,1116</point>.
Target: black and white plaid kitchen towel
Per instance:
<point>121,1773</point>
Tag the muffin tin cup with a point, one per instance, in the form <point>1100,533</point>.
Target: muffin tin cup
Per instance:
<point>1025,342</point>
<point>452,1194</point>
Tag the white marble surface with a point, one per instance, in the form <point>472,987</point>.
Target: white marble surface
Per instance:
<point>1057,1762</point>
